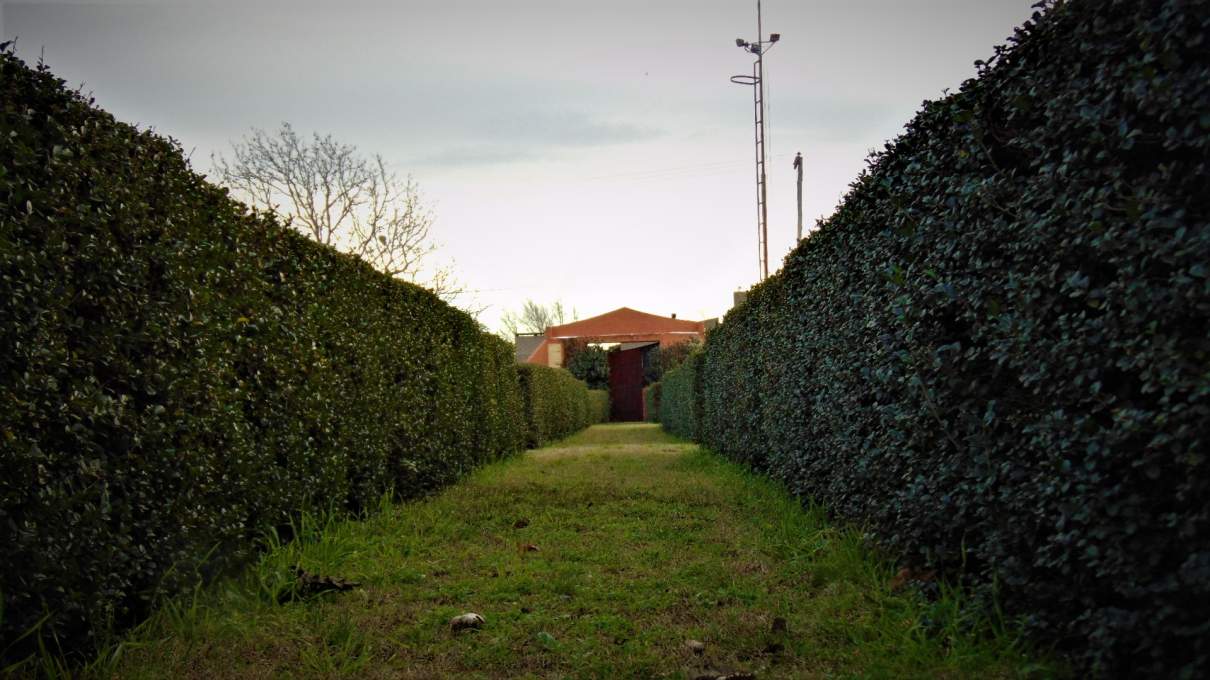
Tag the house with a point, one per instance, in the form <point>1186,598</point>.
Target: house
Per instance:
<point>633,331</point>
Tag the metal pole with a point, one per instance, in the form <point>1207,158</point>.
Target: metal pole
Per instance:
<point>756,108</point>
<point>798,166</point>
<point>764,187</point>
<point>757,81</point>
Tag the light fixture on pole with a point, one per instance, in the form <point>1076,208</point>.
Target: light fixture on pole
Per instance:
<point>757,81</point>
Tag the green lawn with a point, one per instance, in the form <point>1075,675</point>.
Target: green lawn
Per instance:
<point>597,557</point>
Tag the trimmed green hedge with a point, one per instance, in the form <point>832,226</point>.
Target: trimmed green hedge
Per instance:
<point>557,404</point>
<point>996,352</point>
<point>180,376</point>
<point>598,406</point>
<point>651,403</point>
<point>678,411</point>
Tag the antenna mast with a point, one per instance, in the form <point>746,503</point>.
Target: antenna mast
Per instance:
<point>757,81</point>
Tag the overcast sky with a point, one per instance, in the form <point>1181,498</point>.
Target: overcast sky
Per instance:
<point>593,152</point>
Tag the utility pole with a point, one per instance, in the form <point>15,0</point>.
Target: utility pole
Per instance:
<point>757,81</point>
<point>798,167</point>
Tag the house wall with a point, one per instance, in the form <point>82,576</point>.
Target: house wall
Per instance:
<point>623,325</point>
<point>540,355</point>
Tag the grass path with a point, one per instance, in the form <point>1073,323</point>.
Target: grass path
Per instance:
<point>598,557</point>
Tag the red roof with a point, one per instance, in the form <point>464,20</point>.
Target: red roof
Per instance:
<point>626,321</point>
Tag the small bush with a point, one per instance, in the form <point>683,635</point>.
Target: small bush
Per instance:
<point>180,376</point>
<point>673,356</point>
<point>556,403</point>
<point>598,406</point>
<point>995,352</point>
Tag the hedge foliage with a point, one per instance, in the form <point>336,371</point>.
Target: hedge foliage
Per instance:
<point>587,362</point>
<point>556,403</point>
<point>598,406</point>
<point>678,405</point>
<point>651,403</point>
<point>180,375</point>
<point>995,352</point>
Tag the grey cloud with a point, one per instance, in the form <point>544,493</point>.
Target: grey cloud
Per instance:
<point>464,156</point>
<point>496,139</point>
<point>838,120</point>
<point>563,129</point>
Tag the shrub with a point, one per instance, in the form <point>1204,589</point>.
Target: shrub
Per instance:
<point>651,403</point>
<point>180,376</point>
<point>995,352</point>
<point>598,406</point>
<point>673,356</point>
<point>588,363</point>
<point>556,403</point>
<point>677,407</point>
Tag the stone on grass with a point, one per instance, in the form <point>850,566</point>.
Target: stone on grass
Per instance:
<point>467,621</point>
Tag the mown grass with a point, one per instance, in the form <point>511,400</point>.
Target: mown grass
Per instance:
<point>596,557</point>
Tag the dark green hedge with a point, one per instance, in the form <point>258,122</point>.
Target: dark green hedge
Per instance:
<point>556,403</point>
<point>179,376</point>
<point>651,403</point>
<point>997,351</point>
<point>678,410</point>
<point>587,362</point>
<point>598,406</point>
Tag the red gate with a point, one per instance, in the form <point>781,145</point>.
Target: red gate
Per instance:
<point>626,384</point>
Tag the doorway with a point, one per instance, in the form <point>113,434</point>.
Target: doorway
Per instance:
<point>626,384</point>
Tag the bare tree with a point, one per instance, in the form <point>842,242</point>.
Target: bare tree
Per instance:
<point>533,318</point>
<point>330,192</point>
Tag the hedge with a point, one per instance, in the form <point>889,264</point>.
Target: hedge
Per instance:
<point>995,353</point>
<point>598,406</point>
<point>651,403</point>
<point>557,404</point>
<point>678,405</point>
<point>180,375</point>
